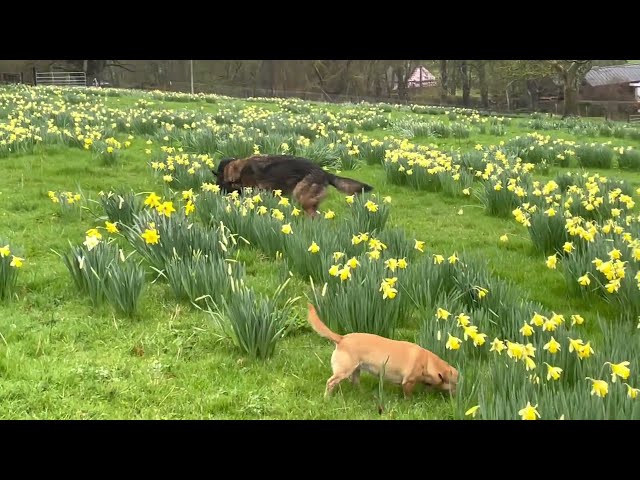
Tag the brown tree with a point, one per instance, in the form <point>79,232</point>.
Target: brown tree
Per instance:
<point>444,80</point>
<point>572,72</point>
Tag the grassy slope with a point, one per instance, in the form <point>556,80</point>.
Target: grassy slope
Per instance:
<point>59,358</point>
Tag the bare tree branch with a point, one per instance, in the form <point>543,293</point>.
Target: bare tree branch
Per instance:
<point>117,63</point>
<point>321,80</point>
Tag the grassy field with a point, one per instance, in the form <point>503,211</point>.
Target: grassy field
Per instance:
<point>455,180</point>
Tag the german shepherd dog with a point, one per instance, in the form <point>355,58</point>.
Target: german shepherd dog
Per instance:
<point>301,177</point>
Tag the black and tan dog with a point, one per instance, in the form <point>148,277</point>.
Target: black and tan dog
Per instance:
<point>301,177</point>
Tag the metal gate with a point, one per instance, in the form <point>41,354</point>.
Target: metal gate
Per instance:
<point>66,79</point>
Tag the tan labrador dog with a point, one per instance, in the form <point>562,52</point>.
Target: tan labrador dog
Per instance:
<point>406,363</point>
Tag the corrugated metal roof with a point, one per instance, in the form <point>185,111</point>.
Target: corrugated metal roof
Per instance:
<point>612,75</point>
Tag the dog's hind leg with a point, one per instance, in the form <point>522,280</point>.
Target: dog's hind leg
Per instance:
<point>355,377</point>
<point>309,193</point>
<point>343,366</point>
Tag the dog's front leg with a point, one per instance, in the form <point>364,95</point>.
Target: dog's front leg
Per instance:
<point>407,387</point>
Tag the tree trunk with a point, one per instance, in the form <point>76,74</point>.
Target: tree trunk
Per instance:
<point>284,76</point>
<point>374,79</point>
<point>453,79</point>
<point>444,80</point>
<point>506,91</point>
<point>267,75</point>
<point>570,93</point>
<point>344,83</point>
<point>532,89</point>
<point>570,100</point>
<point>113,78</point>
<point>94,68</point>
<point>401,82</point>
<point>484,86</point>
<point>466,82</point>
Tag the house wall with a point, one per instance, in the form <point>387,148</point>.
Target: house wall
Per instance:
<point>619,92</point>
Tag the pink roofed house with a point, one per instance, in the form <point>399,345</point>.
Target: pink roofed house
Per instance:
<point>421,77</point>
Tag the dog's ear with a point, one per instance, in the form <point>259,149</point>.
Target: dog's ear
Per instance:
<point>447,376</point>
<point>234,169</point>
<point>223,163</point>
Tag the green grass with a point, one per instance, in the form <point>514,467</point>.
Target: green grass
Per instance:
<point>60,358</point>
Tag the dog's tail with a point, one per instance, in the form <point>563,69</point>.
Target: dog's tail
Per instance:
<point>348,185</point>
<point>320,328</point>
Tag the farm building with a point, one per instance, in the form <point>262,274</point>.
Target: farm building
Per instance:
<point>612,83</point>
<point>420,78</point>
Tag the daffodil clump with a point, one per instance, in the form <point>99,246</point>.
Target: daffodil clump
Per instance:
<point>254,322</point>
<point>201,279</point>
<point>165,237</point>
<point>101,270</point>
<point>591,198</point>
<point>364,292</point>
<point>461,123</point>
<point>586,227</point>
<point>628,159</point>
<point>197,261</point>
<point>504,169</point>
<point>262,219</point>
<point>418,166</point>
<point>373,150</point>
<point>121,206</point>
<point>536,148</point>
<point>68,202</point>
<point>163,231</point>
<point>369,212</point>
<point>548,371</point>
<point>109,150</point>
<point>594,155</point>
<point>506,181</point>
<point>10,264</point>
<point>608,265</point>
<point>182,171</point>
